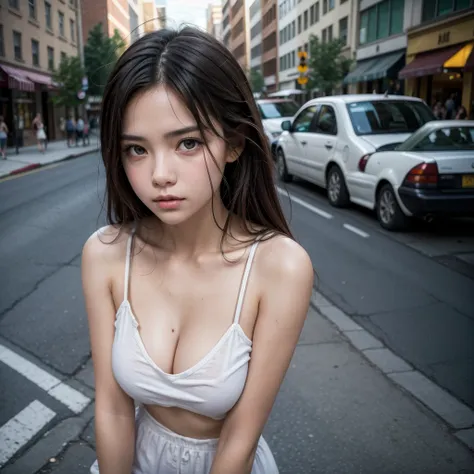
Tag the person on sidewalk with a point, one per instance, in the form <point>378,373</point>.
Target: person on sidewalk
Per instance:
<point>199,247</point>
<point>70,131</point>
<point>3,138</point>
<point>41,137</point>
<point>85,132</point>
<point>80,131</point>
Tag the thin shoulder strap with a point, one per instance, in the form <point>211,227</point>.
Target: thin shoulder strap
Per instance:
<point>245,279</point>
<point>128,258</point>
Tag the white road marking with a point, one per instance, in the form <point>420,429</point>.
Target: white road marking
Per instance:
<point>67,395</point>
<point>17,431</point>
<point>302,203</point>
<point>356,230</point>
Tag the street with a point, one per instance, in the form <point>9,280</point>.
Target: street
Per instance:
<point>336,412</point>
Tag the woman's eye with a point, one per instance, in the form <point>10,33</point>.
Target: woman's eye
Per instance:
<point>189,144</point>
<point>135,150</point>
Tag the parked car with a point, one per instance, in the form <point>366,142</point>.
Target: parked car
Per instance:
<point>273,113</point>
<point>330,136</point>
<point>430,174</point>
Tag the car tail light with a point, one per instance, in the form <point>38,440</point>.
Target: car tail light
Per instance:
<point>363,162</point>
<point>424,174</point>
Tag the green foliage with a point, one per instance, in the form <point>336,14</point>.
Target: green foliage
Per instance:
<point>68,76</point>
<point>327,65</point>
<point>257,82</point>
<point>100,55</point>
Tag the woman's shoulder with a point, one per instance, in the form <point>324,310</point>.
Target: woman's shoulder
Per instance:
<point>107,245</point>
<point>282,258</point>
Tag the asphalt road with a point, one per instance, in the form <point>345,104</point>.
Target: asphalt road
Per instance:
<point>335,412</point>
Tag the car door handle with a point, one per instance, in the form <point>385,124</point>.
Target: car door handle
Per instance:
<point>303,143</point>
<point>328,146</point>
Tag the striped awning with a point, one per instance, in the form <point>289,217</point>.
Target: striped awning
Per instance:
<point>39,78</point>
<point>17,79</point>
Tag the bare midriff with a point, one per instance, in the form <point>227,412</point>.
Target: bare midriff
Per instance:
<point>186,423</point>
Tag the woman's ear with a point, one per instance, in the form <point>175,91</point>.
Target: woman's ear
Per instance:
<point>237,144</point>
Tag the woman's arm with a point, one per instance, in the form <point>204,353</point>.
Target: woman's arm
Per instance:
<point>114,410</point>
<point>286,273</point>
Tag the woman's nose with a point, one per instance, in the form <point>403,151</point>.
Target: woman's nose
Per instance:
<point>163,173</point>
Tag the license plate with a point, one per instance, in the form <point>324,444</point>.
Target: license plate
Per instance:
<point>468,181</point>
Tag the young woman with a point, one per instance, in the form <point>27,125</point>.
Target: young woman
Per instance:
<point>41,137</point>
<point>196,293</point>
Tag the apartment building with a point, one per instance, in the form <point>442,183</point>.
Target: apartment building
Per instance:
<point>255,24</point>
<point>154,17</point>
<point>214,20</point>
<point>440,52</point>
<point>299,19</point>
<point>121,15</point>
<point>269,44</point>
<point>382,43</point>
<point>34,36</point>
<point>226,23</point>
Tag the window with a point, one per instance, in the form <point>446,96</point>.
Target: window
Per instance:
<point>435,8</point>
<point>272,110</point>
<point>302,123</point>
<point>330,33</point>
<point>17,45</point>
<point>72,27</point>
<point>293,28</point>
<point>311,15</point>
<point>50,58</point>
<point>61,23</point>
<point>293,60</point>
<point>379,117</point>
<point>381,20</point>
<point>325,7</point>
<point>2,43</point>
<point>343,25</point>
<point>331,5</point>
<point>63,56</point>
<point>326,122</point>
<point>299,24</point>
<point>343,1</point>
<point>316,12</point>
<point>49,19</point>
<point>444,139</point>
<point>325,35</point>
<point>35,52</point>
<point>397,8</point>
<point>306,20</point>
<point>32,9</point>
<point>14,4</point>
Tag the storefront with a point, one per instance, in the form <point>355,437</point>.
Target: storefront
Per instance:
<point>377,74</point>
<point>23,94</point>
<point>440,61</point>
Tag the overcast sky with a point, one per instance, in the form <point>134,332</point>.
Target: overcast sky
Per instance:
<point>186,11</point>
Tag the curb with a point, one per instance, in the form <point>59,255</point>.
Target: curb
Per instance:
<point>458,416</point>
<point>33,166</point>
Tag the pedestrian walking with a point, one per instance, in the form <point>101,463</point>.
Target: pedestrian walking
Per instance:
<point>70,131</point>
<point>41,137</point>
<point>196,292</point>
<point>80,131</point>
<point>85,133</point>
<point>3,138</point>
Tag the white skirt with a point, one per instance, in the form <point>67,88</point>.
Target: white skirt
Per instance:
<point>159,450</point>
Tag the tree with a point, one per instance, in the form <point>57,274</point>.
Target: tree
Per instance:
<point>257,82</point>
<point>327,64</point>
<point>100,55</point>
<point>68,78</point>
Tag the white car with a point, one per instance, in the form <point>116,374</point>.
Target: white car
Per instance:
<point>273,113</point>
<point>330,136</point>
<point>430,174</point>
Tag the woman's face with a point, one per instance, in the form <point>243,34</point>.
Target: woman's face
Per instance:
<point>165,160</point>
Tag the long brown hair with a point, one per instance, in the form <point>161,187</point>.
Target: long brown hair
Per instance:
<point>209,80</point>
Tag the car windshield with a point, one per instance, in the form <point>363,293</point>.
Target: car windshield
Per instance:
<point>271,110</point>
<point>442,139</point>
<point>388,116</point>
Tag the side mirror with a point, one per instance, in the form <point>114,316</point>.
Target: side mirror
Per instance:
<point>286,125</point>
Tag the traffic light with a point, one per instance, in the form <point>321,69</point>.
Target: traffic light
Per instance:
<point>303,65</point>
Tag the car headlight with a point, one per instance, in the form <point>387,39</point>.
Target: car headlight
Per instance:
<point>276,134</point>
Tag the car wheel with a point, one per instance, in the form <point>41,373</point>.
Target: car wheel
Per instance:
<point>281,167</point>
<point>338,194</point>
<point>389,213</point>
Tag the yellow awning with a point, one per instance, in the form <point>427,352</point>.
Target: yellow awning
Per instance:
<point>458,61</point>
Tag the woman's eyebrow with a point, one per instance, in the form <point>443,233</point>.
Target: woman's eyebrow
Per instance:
<point>172,133</point>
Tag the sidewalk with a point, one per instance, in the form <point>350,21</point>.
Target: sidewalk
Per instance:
<point>30,158</point>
